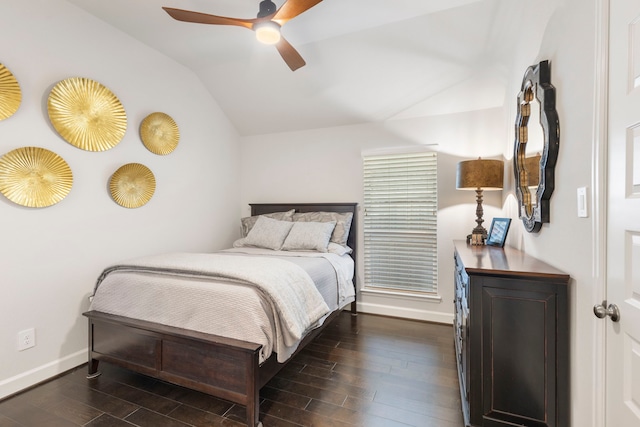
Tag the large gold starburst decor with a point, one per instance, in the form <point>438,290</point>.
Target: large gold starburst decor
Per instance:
<point>10,94</point>
<point>159,133</point>
<point>132,185</point>
<point>34,177</point>
<point>86,114</point>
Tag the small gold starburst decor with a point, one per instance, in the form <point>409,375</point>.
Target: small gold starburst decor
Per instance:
<point>132,185</point>
<point>87,114</point>
<point>34,177</point>
<point>159,133</point>
<point>10,94</point>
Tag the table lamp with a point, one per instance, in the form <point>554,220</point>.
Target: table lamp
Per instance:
<point>479,175</point>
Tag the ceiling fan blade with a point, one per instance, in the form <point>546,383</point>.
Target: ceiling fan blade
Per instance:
<point>289,54</point>
<point>203,18</point>
<point>292,8</point>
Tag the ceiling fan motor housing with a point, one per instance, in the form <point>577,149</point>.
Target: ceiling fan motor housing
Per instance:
<point>267,7</point>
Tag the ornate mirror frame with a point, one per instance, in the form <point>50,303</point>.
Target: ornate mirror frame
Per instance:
<point>536,87</point>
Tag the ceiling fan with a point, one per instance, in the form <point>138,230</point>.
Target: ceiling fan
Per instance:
<point>266,25</point>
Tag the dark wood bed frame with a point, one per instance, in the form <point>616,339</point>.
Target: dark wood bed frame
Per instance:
<point>223,367</point>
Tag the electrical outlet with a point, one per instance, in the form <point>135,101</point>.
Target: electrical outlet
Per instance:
<point>26,339</point>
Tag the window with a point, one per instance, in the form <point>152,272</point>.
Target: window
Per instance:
<point>400,222</point>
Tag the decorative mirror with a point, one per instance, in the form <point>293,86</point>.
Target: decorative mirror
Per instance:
<point>536,146</point>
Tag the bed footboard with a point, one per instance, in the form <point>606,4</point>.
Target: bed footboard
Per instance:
<point>223,367</point>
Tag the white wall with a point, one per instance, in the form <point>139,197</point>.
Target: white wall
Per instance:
<point>50,258</point>
<point>567,242</point>
<point>325,165</point>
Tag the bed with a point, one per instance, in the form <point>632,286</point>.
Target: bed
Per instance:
<point>223,366</point>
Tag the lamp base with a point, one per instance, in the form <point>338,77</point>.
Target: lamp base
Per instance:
<point>476,239</point>
<point>479,234</point>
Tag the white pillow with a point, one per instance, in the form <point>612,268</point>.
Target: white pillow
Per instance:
<point>332,248</point>
<point>239,243</point>
<point>268,233</point>
<point>337,249</point>
<point>343,223</point>
<point>305,236</point>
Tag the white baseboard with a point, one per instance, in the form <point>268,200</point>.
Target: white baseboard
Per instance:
<point>405,312</point>
<point>41,373</point>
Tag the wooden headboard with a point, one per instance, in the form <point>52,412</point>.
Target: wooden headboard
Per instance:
<point>352,241</point>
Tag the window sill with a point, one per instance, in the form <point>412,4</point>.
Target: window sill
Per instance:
<point>410,295</point>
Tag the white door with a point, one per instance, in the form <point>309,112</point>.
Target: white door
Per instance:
<point>623,213</point>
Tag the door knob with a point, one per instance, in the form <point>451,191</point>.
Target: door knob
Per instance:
<point>612,311</point>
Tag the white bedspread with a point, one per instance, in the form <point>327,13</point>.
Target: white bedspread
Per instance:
<point>237,296</point>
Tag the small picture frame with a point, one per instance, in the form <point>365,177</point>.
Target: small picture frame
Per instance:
<point>498,231</point>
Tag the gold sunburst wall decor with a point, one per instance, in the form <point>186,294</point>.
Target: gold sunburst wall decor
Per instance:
<point>86,114</point>
<point>132,185</point>
<point>159,133</point>
<point>34,177</point>
<point>10,94</point>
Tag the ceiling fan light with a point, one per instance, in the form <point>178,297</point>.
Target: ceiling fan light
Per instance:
<point>267,32</point>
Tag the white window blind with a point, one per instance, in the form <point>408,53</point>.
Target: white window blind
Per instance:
<point>400,222</point>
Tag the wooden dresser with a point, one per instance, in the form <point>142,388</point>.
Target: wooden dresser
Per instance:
<point>511,338</point>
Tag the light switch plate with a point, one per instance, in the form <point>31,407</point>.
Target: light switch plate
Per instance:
<point>582,202</point>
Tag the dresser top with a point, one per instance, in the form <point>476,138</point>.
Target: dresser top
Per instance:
<point>505,261</point>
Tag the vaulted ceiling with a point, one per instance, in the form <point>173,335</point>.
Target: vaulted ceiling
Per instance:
<point>367,60</point>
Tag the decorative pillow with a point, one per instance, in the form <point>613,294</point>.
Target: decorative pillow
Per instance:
<point>343,223</point>
<point>249,221</point>
<point>268,233</point>
<point>305,236</point>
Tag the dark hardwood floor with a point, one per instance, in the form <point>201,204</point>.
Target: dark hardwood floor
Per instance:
<point>361,371</point>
